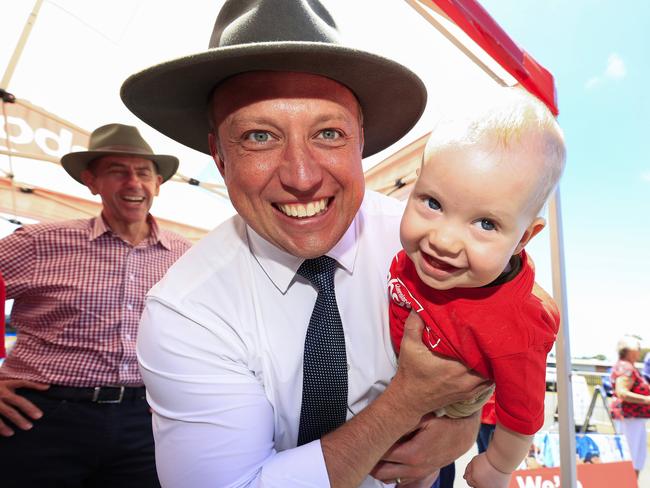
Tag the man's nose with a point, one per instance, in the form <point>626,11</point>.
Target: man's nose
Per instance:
<point>300,169</point>
<point>132,178</point>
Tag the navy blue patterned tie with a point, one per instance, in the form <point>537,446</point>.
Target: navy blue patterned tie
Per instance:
<point>325,382</point>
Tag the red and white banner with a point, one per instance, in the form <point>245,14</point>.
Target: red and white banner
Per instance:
<point>29,131</point>
<point>605,475</point>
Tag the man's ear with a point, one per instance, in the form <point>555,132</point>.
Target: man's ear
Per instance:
<point>159,180</point>
<point>531,231</point>
<point>212,142</point>
<point>88,179</point>
<point>362,139</point>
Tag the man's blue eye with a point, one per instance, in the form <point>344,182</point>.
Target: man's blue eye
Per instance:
<point>487,224</point>
<point>433,203</point>
<point>259,136</point>
<point>329,134</point>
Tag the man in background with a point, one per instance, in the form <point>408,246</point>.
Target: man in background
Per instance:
<point>72,403</point>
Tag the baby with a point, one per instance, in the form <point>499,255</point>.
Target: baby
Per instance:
<point>476,204</point>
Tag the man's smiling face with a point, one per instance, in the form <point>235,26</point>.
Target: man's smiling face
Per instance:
<point>127,186</point>
<point>289,146</point>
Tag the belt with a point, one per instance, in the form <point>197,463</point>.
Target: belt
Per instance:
<point>97,394</point>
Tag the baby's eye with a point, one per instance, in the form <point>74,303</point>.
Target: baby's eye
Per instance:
<point>258,136</point>
<point>487,224</point>
<point>329,134</point>
<point>433,204</point>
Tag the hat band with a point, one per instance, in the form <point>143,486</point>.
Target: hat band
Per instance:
<point>119,148</point>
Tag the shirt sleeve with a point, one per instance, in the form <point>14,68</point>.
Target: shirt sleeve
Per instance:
<point>213,424</point>
<point>519,401</point>
<point>18,262</point>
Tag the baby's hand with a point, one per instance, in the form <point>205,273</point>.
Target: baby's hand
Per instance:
<point>481,474</point>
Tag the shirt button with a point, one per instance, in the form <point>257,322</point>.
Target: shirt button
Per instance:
<point>132,277</point>
<point>348,366</point>
<point>129,306</point>
<point>127,337</point>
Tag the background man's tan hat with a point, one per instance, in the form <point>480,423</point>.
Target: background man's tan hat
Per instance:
<point>122,140</point>
<point>275,35</point>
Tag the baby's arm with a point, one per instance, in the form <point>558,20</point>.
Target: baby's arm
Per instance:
<point>492,469</point>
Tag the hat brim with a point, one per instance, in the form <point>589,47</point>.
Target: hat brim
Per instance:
<point>75,163</point>
<point>172,97</point>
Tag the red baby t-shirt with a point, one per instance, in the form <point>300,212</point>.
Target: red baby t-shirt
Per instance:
<point>503,332</point>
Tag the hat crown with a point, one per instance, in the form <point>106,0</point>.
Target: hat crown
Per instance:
<point>118,137</point>
<point>256,21</point>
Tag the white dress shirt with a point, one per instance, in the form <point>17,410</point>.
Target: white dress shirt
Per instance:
<point>221,343</point>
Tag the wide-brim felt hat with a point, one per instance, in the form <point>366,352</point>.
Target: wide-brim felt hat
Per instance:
<point>275,35</point>
<point>120,140</point>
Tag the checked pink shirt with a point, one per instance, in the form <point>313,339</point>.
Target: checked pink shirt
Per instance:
<point>78,293</point>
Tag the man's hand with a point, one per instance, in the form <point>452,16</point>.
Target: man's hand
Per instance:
<point>481,474</point>
<point>16,408</point>
<point>436,442</point>
<point>425,381</point>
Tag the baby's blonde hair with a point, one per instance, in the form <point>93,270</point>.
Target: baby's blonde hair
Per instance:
<point>504,116</point>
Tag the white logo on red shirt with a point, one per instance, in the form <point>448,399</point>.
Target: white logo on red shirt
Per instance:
<point>401,295</point>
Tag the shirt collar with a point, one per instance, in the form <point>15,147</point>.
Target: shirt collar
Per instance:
<point>97,227</point>
<point>281,267</point>
<point>100,227</point>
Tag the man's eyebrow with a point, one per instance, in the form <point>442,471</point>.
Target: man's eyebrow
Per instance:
<point>252,119</point>
<point>262,120</point>
<point>115,164</point>
<point>333,117</point>
<point>120,165</point>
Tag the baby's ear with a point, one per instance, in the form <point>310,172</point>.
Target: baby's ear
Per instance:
<point>531,231</point>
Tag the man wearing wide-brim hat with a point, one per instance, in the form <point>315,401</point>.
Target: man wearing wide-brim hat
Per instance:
<point>265,350</point>
<point>72,402</point>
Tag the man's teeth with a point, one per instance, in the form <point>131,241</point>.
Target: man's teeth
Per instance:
<point>303,210</point>
<point>133,199</point>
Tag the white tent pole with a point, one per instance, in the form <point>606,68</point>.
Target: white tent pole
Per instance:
<point>4,84</point>
<point>562,349</point>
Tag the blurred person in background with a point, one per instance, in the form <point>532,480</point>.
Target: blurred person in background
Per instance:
<point>631,405</point>
<point>73,410</point>
<point>646,367</point>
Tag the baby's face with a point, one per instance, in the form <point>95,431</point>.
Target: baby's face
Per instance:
<point>470,211</point>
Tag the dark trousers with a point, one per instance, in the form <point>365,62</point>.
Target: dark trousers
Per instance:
<point>485,434</point>
<point>81,444</point>
<point>446,477</point>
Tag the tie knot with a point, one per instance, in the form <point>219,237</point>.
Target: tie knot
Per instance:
<point>319,271</point>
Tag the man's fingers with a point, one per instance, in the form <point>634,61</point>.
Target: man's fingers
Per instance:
<point>385,472</point>
<point>14,416</point>
<point>413,327</point>
<point>389,472</point>
<point>23,405</point>
<point>32,385</point>
<point>5,431</point>
<point>16,408</point>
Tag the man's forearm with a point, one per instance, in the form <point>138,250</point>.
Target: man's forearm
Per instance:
<point>352,450</point>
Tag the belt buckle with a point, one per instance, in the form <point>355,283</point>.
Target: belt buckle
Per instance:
<point>98,389</point>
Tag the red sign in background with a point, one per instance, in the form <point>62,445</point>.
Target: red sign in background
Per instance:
<point>605,475</point>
